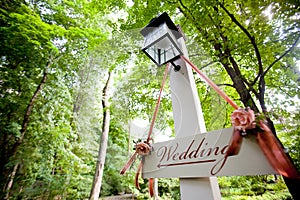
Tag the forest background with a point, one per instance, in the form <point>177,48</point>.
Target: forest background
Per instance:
<point>73,78</point>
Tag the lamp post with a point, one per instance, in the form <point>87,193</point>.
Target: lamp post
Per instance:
<point>165,44</point>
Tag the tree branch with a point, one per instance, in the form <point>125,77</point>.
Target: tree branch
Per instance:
<point>251,38</point>
<point>226,84</point>
<point>208,64</point>
<point>25,123</point>
<point>29,109</point>
<point>262,76</point>
<point>197,54</point>
<point>283,55</point>
<point>180,1</point>
<point>224,57</point>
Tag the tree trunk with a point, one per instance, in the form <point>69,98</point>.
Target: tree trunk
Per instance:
<point>96,188</point>
<point>11,176</point>
<point>293,186</point>
<point>10,181</point>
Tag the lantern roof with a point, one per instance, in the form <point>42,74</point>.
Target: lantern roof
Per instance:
<point>155,22</point>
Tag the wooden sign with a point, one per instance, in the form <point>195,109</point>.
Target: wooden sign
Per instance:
<point>203,155</point>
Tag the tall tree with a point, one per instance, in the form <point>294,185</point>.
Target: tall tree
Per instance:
<point>114,60</point>
<point>96,187</point>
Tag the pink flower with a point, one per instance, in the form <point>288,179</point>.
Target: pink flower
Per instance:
<point>243,119</point>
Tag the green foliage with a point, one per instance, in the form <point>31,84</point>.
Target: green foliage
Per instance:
<point>169,188</point>
<point>288,129</point>
<point>48,159</point>
<point>113,183</point>
<point>136,95</point>
<point>40,40</point>
<point>253,187</point>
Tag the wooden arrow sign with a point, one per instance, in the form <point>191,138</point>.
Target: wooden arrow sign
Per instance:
<point>203,155</point>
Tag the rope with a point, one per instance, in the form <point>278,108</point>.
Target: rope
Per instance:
<point>212,84</point>
<point>158,103</point>
<point>144,148</point>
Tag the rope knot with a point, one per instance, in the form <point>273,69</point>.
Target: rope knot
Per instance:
<point>142,148</point>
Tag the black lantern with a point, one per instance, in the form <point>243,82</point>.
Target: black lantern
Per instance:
<point>160,40</point>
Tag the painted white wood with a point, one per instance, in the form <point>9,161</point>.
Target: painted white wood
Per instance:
<point>188,120</point>
<point>203,155</point>
<point>199,188</point>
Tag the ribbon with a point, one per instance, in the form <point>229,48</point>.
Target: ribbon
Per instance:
<point>270,147</point>
<point>144,148</point>
<point>211,83</point>
<point>274,152</point>
<point>244,119</point>
<point>235,143</point>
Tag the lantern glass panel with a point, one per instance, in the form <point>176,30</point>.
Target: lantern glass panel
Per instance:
<point>161,45</point>
<point>162,53</point>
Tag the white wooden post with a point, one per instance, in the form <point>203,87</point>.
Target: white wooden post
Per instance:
<point>188,121</point>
